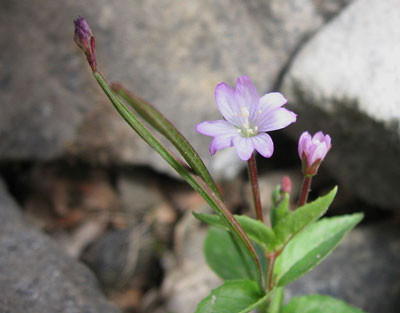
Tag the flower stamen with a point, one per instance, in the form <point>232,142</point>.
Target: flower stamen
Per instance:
<point>244,112</point>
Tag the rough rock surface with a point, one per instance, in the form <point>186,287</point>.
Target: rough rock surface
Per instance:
<point>345,82</point>
<point>363,270</point>
<point>139,192</point>
<point>36,276</point>
<point>171,53</point>
<point>188,278</point>
<point>123,257</point>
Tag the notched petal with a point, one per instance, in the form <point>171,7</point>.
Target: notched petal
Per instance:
<point>272,101</point>
<point>221,142</point>
<point>263,144</point>
<point>226,102</point>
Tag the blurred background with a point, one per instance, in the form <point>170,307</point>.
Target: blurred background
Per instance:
<point>92,220</point>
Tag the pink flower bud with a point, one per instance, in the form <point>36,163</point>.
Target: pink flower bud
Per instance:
<point>286,185</point>
<point>312,150</point>
<point>85,40</point>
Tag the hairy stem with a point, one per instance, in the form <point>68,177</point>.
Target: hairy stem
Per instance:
<point>253,177</point>
<point>305,189</point>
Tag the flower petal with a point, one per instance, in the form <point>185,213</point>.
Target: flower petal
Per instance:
<point>272,101</point>
<point>244,147</point>
<point>226,102</point>
<point>276,119</point>
<point>216,128</point>
<point>304,142</point>
<point>319,136</point>
<point>318,152</point>
<point>263,144</point>
<point>221,142</point>
<point>246,95</point>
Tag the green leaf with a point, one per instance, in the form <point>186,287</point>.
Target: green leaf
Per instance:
<point>311,246</point>
<point>211,219</point>
<point>318,304</point>
<point>240,296</point>
<point>303,216</point>
<point>195,182</point>
<point>281,210</point>
<point>167,129</point>
<point>276,196</point>
<point>255,229</point>
<point>227,259</point>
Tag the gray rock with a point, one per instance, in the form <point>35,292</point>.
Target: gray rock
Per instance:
<point>123,257</point>
<point>37,277</point>
<point>345,82</point>
<point>139,193</point>
<point>171,53</point>
<point>362,271</point>
<point>188,279</point>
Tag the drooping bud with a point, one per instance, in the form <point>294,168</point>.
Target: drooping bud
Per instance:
<point>312,150</point>
<point>85,40</point>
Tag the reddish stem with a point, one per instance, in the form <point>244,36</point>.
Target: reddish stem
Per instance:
<point>253,177</point>
<point>305,189</point>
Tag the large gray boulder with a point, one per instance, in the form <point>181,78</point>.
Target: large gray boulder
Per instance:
<point>345,82</point>
<point>172,53</point>
<point>36,276</point>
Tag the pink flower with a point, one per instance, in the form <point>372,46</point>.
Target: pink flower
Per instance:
<point>247,118</point>
<point>312,150</point>
<point>85,40</point>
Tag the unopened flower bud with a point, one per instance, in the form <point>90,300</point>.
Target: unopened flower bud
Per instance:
<point>85,40</point>
<point>286,186</point>
<point>312,150</point>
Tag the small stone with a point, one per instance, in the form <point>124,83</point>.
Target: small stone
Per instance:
<point>123,258</point>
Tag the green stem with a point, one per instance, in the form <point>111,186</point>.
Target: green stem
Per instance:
<point>253,177</point>
<point>195,182</point>
<point>270,274</point>
<point>276,300</point>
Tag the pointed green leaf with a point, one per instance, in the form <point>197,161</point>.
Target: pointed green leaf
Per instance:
<point>311,246</point>
<point>276,196</point>
<point>318,304</point>
<point>281,210</point>
<point>303,216</point>
<point>255,229</point>
<point>238,296</point>
<point>195,182</point>
<point>167,129</point>
<point>227,259</point>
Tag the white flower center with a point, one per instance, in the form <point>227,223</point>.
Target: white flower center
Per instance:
<point>247,130</point>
